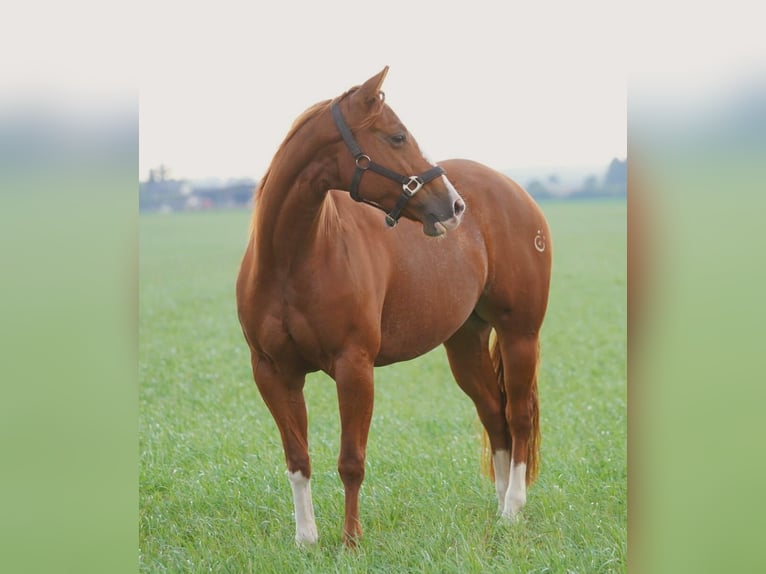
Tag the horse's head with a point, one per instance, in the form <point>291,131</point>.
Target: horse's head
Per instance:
<point>402,181</point>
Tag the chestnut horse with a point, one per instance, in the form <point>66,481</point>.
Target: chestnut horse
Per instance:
<point>325,283</point>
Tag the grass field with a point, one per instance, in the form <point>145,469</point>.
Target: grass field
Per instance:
<point>213,492</point>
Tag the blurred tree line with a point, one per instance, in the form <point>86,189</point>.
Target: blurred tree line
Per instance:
<point>162,193</point>
<point>613,183</point>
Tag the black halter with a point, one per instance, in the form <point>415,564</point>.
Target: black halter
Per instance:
<point>411,184</point>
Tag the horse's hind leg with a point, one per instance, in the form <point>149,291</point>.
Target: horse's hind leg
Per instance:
<point>519,355</point>
<point>469,359</point>
<point>283,394</point>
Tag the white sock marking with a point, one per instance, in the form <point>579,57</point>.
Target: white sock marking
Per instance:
<point>501,460</point>
<point>516,496</point>
<point>305,525</point>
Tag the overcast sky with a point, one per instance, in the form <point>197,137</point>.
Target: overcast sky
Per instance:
<point>507,86</point>
<point>507,83</point>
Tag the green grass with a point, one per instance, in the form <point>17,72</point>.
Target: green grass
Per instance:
<point>213,491</point>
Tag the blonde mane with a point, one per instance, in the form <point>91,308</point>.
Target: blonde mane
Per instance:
<point>299,122</point>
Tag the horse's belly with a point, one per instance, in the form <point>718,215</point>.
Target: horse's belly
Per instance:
<point>409,331</point>
<point>431,295</point>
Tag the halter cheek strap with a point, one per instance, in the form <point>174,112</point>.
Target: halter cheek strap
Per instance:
<point>411,184</point>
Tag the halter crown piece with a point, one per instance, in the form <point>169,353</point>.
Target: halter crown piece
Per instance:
<point>411,184</point>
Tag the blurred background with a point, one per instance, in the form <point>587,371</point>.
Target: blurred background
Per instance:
<point>546,105</point>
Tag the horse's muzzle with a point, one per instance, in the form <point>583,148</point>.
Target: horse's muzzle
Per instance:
<point>435,226</point>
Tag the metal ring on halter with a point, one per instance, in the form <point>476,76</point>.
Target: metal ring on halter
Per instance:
<point>363,161</point>
<point>410,191</point>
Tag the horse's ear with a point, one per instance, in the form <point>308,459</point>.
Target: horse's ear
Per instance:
<point>369,94</point>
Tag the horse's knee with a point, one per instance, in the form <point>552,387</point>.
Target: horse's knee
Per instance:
<point>351,470</point>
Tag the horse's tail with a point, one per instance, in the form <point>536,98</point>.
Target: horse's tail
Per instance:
<point>533,445</point>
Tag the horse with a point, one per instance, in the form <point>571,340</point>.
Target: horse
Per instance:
<point>462,258</point>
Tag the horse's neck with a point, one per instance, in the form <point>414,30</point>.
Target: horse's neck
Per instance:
<point>291,209</point>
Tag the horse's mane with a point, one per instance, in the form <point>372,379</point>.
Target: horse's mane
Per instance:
<point>299,122</point>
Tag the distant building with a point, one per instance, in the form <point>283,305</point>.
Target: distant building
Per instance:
<point>166,195</point>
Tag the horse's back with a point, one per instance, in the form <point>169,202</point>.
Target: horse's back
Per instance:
<point>495,199</point>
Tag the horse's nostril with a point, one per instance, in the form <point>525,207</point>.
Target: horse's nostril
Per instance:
<point>459,206</point>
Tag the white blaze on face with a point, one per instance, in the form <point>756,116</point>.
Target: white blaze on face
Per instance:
<point>305,525</point>
<point>447,182</point>
<point>454,195</point>
<point>451,187</point>
<point>501,460</point>
<point>516,496</point>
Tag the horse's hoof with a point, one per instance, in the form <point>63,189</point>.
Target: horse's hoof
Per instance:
<point>306,539</point>
<point>352,541</point>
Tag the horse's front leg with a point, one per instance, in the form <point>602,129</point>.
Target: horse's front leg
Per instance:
<point>283,394</point>
<point>354,379</point>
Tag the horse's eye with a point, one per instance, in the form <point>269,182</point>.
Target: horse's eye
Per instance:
<point>398,139</point>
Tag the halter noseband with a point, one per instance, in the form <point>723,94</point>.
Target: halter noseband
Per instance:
<point>411,184</point>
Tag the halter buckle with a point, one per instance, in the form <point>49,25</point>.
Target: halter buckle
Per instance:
<point>363,161</point>
<point>412,186</point>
